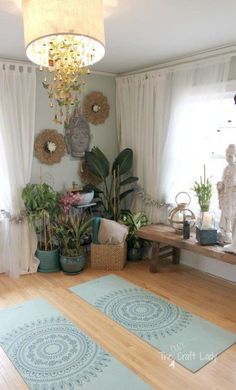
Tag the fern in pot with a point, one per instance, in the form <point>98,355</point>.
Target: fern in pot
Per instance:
<point>41,204</point>
<point>70,230</point>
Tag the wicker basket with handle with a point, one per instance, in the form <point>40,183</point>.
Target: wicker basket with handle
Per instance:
<point>108,257</point>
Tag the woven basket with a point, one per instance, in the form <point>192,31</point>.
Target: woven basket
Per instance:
<point>108,257</point>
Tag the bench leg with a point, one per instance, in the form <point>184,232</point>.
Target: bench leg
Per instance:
<point>155,258</point>
<point>176,255</point>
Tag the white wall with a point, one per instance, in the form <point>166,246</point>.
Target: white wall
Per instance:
<point>209,265</point>
<point>103,136</point>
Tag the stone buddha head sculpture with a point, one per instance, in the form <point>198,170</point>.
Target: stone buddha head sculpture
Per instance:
<point>77,135</point>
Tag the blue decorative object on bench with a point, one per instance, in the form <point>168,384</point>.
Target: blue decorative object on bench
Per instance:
<point>206,236</point>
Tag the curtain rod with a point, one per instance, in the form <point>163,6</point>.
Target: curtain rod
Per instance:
<point>18,62</point>
<point>228,51</point>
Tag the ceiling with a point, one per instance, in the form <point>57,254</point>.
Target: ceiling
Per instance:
<point>141,33</point>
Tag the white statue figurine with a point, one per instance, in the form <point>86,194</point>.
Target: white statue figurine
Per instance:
<point>227,197</point>
<point>232,247</point>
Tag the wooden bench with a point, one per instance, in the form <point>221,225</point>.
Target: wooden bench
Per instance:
<point>168,243</point>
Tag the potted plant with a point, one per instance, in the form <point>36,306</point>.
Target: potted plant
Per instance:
<point>41,203</point>
<point>135,244</point>
<point>203,191</point>
<point>70,232</point>
<point>206,234</point>
<point>111,191</point>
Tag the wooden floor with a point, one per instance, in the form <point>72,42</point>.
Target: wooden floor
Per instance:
<point>208,297</point>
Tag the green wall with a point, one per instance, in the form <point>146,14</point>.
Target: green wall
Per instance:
<point>104,136</point>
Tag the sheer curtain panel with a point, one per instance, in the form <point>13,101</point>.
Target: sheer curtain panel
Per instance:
<point>17,123</point>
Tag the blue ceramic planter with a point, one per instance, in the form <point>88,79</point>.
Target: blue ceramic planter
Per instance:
<point>49,260</point>
<point>73,265</point>
<point>135,254</point>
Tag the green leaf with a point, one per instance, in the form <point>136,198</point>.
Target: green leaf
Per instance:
<point>124,194</point>
<point>129,180</point>
<point>97,163</point>
<point>101,156</point>
<point>123,162</point>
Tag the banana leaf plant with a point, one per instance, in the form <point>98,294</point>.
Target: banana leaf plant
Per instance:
<point>114,180</point>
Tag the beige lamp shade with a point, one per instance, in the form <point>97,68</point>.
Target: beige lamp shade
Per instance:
<point>79,22</point>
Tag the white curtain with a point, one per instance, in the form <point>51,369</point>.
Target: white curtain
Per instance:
<point>17,123</point>
<point>164,116</point>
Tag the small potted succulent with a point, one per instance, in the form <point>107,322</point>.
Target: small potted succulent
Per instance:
<point>135,244</point>
<point>70,231</point>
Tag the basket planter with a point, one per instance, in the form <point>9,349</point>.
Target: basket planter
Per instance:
<point>49,260</point>
<point>73,265</point>
<point>108,257</point>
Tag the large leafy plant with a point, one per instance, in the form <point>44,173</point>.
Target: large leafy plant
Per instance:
<point>41,203</point>
<point>113,180</point>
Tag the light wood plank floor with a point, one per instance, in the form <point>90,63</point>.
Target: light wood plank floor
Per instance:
<point>206,296</point>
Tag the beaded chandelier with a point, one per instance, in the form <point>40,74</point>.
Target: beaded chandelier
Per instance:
<point>64,37</point>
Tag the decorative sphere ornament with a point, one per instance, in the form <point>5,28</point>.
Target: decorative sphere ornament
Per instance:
<point>181,213</point>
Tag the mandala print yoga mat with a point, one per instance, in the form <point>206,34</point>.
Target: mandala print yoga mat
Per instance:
<point>51,353</point>
<point>178,334</point>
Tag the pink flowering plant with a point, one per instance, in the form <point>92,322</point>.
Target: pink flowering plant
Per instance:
<point>69,228</point>
<point>70,199</point>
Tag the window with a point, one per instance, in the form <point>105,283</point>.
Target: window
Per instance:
<point>216,128</point>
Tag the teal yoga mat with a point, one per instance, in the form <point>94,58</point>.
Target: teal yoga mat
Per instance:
<point>178,334</point>
<point>51,353</point>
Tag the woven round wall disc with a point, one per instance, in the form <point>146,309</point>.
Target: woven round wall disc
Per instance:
<point>95,108</point>
<point>49,147</point>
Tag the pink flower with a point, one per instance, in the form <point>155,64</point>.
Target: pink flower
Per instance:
<point>69,199</point>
